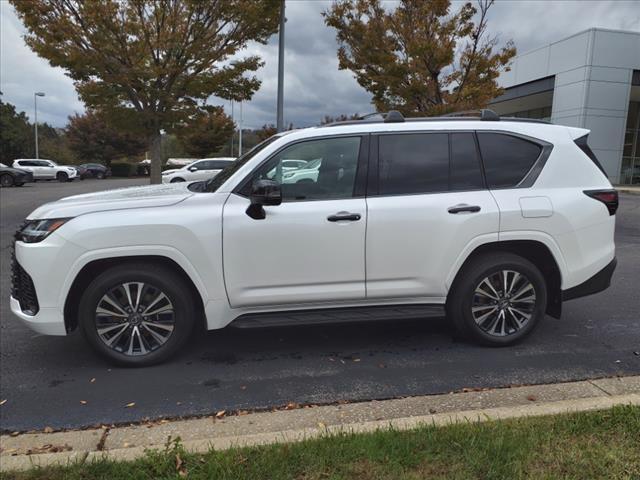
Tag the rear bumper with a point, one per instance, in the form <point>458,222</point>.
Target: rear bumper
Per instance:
<point>597,283</point>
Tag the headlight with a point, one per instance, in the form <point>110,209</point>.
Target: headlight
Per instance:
<point>35,231</point>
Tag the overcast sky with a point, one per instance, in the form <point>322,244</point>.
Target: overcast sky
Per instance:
<point>313,86</point>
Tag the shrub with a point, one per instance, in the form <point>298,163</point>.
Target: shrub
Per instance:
<point>121,169</point>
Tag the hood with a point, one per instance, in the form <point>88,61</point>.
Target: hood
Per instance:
<point>118,199</point>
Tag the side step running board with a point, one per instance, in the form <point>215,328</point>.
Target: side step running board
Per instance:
<point>337,315</point>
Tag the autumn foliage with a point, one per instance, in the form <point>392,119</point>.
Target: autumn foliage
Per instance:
<point>420,57</point>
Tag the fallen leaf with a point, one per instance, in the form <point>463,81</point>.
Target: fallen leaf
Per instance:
<point>356,359</point>
<point>92,380</point>
<point>321,425</point>
<point>14,434</point>
<point>382,365</point>
<point>291,406</point>
<point>532,398</point>
<point>48,430</point>
<point>243,387</point>
<point>178,403</point>
<point>126,444</point>
<point>180,466</point>
<point>83,402</point>
<point>2,402</point>
<point>243,412</point>
<point>129,405</point>
<point>221,413</point>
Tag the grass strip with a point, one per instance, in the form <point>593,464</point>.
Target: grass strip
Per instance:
<point>602,444</point>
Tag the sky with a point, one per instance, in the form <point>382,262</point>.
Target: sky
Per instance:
<point>313,84</point>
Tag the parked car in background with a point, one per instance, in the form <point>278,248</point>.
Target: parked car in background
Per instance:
<point>94,170</point>
<point>492,222</point>
<point>14,176</point>
<point>199,170</point>
<point>46,169</point>
<point>309,173</point>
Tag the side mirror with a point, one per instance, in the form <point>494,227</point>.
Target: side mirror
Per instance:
<point>263,192</point>
<point>193,169</point>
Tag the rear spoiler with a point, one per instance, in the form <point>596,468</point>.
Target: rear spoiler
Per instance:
<point>576,133</point>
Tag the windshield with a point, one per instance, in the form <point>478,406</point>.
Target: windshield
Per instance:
<point>213,184</point>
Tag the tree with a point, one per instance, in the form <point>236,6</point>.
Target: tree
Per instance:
<point>266,131</point>
<point>93,139</point>
<point>420,58</point>
<point>207,132</point>
<point>16,134</point>
<point>340,118</point>
<point>147,64</point>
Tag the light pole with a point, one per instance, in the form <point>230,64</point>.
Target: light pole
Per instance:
<point>35,108</point>
<point>280,110</point>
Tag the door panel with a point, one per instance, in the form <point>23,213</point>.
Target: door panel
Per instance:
<point>295,255</point>
<point>413,241</point>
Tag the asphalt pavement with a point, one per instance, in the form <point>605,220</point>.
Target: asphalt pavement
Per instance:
<point>59,382</point>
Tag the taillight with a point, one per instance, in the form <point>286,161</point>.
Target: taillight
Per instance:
<point>608,197</point>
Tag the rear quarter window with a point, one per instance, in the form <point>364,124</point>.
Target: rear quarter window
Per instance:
<point>507,159</point>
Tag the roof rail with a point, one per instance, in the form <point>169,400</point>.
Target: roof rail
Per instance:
<point>393,116</point>
<point>485,114</point>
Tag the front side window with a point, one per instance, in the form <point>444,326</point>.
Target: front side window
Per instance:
<point>335,162</point>
<point>507,159</point>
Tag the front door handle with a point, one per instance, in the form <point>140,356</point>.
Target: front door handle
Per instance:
<point>344,216</point>
<point>463,207</point>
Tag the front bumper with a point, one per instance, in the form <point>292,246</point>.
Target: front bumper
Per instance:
<point>48,321</point>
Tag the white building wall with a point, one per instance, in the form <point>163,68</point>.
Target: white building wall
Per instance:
<point>593,71</point>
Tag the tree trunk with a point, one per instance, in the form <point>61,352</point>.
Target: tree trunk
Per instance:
<point>156,159</point>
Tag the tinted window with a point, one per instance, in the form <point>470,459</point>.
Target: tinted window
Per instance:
<point>219,164</point>
<point>413,163</point>
<point>507,159</point>
<point>465,172</point>
<point>334,177</point>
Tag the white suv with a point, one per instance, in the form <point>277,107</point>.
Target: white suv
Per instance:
<point>491,222</point>
<point>46,169</point>
<point>199,170</point>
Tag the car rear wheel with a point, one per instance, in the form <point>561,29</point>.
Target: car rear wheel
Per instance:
<point>62,177</point>
<point>176,180</point>
<point>6,180</point>
<point>497,299</point>
<point>137,315</point>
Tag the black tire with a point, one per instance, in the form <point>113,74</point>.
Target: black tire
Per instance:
<point>155,277</point>
<point>62,177</point>
<point>463,297</point>
<point>6,180</point>
<point>176,180</point>
<point>100,175</point>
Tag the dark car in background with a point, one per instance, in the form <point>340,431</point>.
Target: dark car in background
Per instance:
<point>93,170</point>
<point>10,176</point>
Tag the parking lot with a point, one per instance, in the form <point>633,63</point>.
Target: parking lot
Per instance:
<point>59,382</point>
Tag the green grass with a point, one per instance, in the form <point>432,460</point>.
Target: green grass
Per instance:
<point>604,444</point>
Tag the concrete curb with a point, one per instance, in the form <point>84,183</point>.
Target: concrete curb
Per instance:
<point>203,434</point>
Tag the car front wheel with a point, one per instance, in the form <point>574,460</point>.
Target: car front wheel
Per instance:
<point>137,315</point>
<point>497,299</point>
<point>6,180</point>
<point>62,177</point>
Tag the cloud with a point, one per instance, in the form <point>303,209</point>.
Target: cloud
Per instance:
<point>313,84</point>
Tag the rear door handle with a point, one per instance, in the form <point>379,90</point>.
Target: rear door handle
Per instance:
<point>344,216</point>
<point>463,207</point>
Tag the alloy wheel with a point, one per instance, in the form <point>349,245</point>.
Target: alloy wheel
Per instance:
<point>503,303</point>
<point>134,318</point>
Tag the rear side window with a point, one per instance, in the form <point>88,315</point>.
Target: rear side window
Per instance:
<point>507,159</point>
<point>413,163</point>
<point>465,173</point>
<point>584,146</point>
<point>428,163</point>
